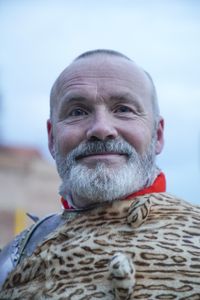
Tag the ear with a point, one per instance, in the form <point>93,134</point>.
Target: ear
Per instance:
<point>160,136</point>
<point>51,142</point>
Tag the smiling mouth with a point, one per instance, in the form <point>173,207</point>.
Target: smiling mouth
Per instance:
<point>101,155</point>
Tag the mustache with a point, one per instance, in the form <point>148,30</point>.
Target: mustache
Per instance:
<point>118,146</point>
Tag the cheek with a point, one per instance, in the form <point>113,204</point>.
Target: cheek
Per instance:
<point>139,138</point>
<point>67,139</point>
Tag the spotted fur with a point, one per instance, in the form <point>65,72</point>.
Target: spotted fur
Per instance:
<point>144,248</point>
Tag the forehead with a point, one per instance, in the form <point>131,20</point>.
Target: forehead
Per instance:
<point>103,76</point>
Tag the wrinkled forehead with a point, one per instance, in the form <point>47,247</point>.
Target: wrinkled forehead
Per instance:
<point>107,71</point>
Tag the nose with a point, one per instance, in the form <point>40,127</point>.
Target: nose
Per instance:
<point>101,128</point>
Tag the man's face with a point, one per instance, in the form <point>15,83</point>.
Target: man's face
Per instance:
<point>103,101</point>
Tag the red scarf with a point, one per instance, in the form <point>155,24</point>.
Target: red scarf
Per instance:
<point>158,186</point>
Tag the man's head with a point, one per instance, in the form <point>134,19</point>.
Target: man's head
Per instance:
<point>105,129</point>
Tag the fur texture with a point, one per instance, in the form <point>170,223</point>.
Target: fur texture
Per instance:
<point>144,248</point>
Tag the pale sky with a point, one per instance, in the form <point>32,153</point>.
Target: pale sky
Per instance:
<point>40,37</point>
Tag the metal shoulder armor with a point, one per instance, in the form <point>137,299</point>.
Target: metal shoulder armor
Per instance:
<point>25,243</point>
<point>10,255</point>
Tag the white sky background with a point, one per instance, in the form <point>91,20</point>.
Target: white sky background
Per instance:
<point>40,37</point>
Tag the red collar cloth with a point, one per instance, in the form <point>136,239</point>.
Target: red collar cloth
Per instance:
<point>158,186</point>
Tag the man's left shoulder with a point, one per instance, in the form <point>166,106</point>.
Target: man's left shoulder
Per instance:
<point>167,199</point>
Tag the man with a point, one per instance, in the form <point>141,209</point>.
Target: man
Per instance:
<point>120,235</point>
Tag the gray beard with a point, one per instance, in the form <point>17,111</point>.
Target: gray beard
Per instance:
<point>85,186</point>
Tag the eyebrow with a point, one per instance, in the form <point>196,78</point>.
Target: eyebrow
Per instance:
<point>74,99</point>
<point>71,100</point>
<point>126,98</point>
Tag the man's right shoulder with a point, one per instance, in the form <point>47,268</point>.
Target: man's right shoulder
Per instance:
<point>10,254</point>
<point>25,243</point>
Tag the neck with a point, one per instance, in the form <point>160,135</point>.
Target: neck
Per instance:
<point>158,186</point>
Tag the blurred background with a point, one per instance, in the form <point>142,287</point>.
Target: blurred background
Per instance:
<point>40,37</point>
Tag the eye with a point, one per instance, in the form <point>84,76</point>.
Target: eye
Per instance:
<point>123,109</point>
<point>77,112</point>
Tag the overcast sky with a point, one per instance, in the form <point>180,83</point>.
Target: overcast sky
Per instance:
<point>40,37</point>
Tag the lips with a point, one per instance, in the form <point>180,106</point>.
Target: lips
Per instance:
<point>100,154</point>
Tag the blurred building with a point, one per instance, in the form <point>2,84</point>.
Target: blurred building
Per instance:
<point>28,183</point>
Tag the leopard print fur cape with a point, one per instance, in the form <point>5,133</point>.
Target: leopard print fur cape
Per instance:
<point>144,248</point>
